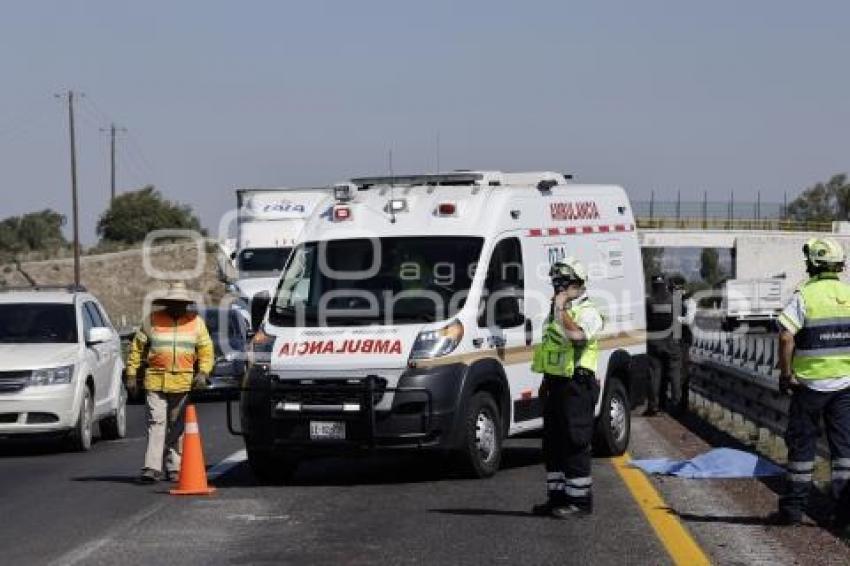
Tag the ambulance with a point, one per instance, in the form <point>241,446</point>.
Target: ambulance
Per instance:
<point>407,315</point>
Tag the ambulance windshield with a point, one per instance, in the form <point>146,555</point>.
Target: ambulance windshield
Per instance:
<point>399,280</point>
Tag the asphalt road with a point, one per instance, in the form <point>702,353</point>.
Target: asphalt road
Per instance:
<point>66,508</point>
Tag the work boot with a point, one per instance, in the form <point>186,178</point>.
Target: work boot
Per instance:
<point>571,511</point>
<point>149,476</point>
<point>840,526</point>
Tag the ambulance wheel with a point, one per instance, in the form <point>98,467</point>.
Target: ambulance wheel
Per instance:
<point>271,467</point>
<point>613,427</point>
<point>482,449</point>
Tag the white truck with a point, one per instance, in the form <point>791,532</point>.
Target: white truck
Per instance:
<point>406,318</point>
<point>269,222</point>
<point>752,301</point>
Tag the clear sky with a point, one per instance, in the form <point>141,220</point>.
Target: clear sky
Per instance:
<point>664,95</point>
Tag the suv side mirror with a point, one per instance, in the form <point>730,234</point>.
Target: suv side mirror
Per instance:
<point>98,335</point>
<point>259,306</point>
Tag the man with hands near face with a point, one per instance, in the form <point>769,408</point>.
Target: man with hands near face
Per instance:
<point>568,358</point>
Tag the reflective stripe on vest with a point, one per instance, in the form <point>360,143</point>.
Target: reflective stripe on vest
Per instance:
<point>557,355</point>
<point>172,343</point>
<point>822,345</point>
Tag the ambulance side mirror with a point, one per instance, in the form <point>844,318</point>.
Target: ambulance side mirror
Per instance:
<point>508,313</point>
<point>259,306</point>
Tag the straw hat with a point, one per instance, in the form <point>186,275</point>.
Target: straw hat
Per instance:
<point>176,292</point>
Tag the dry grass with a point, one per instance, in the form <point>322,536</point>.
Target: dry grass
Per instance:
<point>119,279</point>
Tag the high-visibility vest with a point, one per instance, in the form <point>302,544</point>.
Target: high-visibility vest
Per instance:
<point>558,355</point>
<point>172,347</point>
<point>822,345</point>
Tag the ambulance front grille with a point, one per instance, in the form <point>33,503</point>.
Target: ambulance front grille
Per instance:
<point>327,391</point>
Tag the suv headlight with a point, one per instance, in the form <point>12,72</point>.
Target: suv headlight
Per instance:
<point>52,376</point>
<point>437,342</point>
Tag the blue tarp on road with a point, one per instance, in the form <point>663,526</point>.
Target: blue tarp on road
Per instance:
<point>717,463</point>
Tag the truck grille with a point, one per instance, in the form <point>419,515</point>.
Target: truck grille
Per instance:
<point>11,381</point>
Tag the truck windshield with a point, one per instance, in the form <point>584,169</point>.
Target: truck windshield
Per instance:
<point>262,262</point>
<point>43,323</point>
<point>394,280</point>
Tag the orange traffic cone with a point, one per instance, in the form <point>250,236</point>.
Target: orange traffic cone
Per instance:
<point>193,471</point>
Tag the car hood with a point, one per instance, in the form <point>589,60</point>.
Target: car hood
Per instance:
<point>16,357</point>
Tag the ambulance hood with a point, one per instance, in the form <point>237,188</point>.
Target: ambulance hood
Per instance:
<point>343,348</point>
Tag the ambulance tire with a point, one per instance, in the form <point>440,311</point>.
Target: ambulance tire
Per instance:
<point>482,437</point>
<point>270,467</point>
<point>613,427</point>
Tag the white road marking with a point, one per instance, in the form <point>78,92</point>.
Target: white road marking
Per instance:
<point>227,464</point>
<point>252,517</point>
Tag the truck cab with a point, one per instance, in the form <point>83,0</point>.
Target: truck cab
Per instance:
<point>268,224</point>
<point>406,318</point>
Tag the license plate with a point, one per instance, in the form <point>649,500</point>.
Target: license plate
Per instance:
<point>327,430</point>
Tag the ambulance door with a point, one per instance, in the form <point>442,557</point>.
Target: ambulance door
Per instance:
<point>503,328</point>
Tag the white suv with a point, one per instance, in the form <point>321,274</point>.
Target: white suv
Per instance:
<point>60,366</point>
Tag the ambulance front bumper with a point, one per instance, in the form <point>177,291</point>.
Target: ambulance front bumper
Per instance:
<point>277,413</point>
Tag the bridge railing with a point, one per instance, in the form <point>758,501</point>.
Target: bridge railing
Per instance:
<point>771,224</point>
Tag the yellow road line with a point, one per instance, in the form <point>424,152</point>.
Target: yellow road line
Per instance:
<point>679,543</point>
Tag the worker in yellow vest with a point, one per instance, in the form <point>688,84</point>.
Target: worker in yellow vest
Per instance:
<point>814,360</point>
<point>174,341</point>
<point>568,358</point>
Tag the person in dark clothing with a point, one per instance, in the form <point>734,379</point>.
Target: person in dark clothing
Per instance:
<point>664,349</point>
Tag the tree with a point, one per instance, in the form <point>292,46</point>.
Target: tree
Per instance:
<point>134,214</point>
<point>823,202</point>
<point>33,232</point>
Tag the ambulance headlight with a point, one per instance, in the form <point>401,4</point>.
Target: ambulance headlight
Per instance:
<point>260,348</point>
<point>437,342</point>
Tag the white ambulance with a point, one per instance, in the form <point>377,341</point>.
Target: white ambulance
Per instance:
<point>406,318</point>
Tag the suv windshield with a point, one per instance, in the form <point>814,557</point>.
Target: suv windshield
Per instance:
<point>376,281</point>
<point>262,262</point>
<point>23,323</point>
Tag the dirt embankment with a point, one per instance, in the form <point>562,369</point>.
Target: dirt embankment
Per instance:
<point>121,280</point>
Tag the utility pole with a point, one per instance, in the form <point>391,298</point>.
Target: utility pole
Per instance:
<point>112,129</point>
<point>74,206</point>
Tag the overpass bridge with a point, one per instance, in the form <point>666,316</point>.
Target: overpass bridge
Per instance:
<point>759,248</point>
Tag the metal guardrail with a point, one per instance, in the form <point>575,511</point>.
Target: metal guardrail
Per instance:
<point>698,223</point>
<point>740,372</point>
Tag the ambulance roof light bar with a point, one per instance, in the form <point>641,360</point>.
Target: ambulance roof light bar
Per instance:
<point>459,178</point>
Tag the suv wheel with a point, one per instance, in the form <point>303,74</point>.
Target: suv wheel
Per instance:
<point>80,439</point>
<point>115,427</point>
<point>482,450</point>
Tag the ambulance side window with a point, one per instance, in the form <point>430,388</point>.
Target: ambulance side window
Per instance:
<point>504,286</point>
